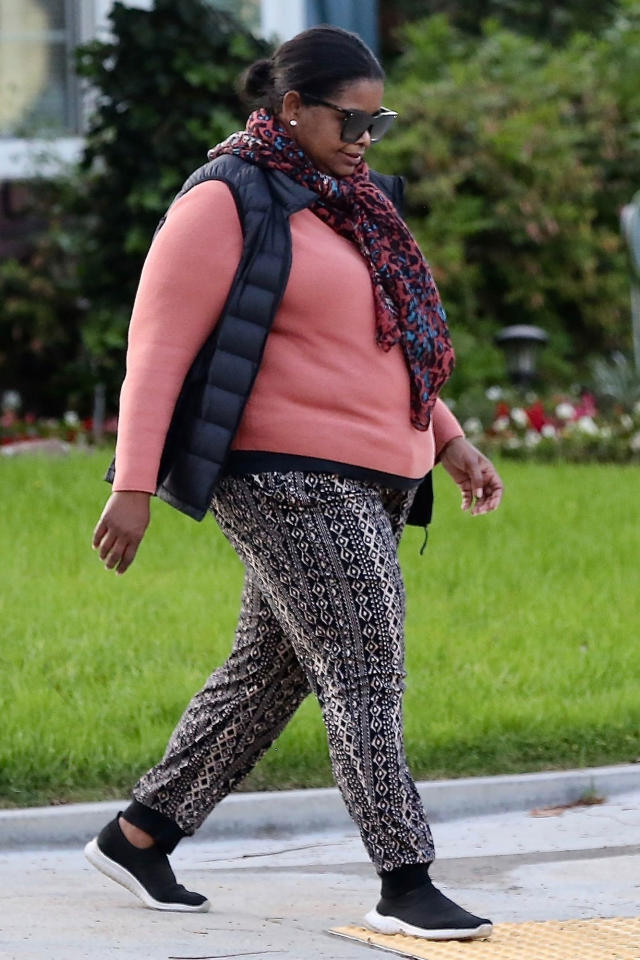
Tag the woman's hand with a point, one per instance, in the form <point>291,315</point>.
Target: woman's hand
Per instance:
<point>121,527</point>
<point>475,475</point>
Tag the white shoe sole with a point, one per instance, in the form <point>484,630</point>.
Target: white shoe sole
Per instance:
<point>116,872</point>
<point>381,924</point>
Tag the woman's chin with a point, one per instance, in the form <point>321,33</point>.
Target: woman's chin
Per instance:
<point>344,169</point>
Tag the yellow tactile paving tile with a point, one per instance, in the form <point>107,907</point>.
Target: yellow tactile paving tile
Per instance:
<point>614,938</point>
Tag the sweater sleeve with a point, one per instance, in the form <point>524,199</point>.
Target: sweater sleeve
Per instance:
<point>445,426</point>
<point>184,283</point>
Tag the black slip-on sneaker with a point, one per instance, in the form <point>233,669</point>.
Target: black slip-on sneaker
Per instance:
<point>426,912</point>
<point>145,873</point>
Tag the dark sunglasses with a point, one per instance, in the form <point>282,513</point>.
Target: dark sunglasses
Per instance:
<point>357,121</point>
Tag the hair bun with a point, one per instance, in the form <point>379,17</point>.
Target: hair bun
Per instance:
<point>257,80</point>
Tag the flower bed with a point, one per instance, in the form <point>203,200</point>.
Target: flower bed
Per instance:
<point>559,427</point>
<point>29,429</point>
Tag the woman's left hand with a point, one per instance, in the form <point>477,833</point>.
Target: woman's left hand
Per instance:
<point>474,473</point>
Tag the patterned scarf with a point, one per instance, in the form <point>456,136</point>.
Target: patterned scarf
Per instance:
<point>407,303</point>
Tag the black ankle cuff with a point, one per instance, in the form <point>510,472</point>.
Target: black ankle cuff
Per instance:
<point>403,879</point>
<point>165,831</point>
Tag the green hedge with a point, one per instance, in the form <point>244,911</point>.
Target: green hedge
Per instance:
<point>519,156</point>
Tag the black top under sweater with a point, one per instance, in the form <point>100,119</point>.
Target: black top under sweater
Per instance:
<point>241,462</point>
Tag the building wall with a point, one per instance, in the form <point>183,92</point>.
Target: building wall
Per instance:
<point>361,16</point>
<point>41,100</point>
<point>41,103</point>
<point>282,19</point>
<point>41,106</point>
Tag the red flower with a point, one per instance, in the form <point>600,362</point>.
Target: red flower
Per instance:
<point>586,407</point>
<point>537,416</point>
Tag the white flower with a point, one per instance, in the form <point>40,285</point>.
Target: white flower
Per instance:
<point>519,417</point>
<point>588,425</point>
<point>500,424</point>
<point>625,421</point>
<point>11,400</point>
<point>532,438</point>
<point>472,426</point>
<point>565,411</point>
<point>548,430</point>
<point>605,432</point>
<point>71,418</point>
<point>634,443</point>
<point>493,393</point>
<point>513,443</point>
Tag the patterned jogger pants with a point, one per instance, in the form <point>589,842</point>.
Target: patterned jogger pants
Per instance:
<point>322,610</point>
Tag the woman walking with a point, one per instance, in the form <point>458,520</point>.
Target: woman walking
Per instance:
<point>286,351</point>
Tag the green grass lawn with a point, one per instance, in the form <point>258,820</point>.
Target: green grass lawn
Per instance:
<point>522,633</point>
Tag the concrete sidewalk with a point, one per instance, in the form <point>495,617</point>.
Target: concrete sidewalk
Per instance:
<point>277,896</point>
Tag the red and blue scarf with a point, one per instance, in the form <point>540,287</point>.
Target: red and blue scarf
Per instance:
<point>407,303</point>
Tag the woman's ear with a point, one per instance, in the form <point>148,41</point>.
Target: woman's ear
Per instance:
<point>291,106</point>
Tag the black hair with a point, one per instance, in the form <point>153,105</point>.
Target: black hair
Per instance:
<point>318,62</point>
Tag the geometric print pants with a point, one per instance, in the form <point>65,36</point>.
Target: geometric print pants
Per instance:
<point>323,609</point>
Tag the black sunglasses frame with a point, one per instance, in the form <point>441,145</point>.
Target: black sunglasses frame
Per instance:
<point>360,120</point>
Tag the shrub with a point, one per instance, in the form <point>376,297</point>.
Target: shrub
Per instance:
<point>539,18</point>
<point>518,157</point>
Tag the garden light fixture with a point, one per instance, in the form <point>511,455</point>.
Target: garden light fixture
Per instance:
<point>521,344</point>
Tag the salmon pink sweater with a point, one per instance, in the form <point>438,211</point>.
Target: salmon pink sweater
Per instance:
<point>324,388</point>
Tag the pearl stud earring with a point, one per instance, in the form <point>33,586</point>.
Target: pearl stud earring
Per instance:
<point>293,123</point>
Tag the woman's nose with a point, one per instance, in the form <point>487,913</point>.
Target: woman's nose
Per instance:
<point>364,140</point>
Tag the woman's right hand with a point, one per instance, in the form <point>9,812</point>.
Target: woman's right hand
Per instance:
<point>121,527</point>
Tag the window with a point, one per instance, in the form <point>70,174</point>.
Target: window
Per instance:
<point>38,89</point>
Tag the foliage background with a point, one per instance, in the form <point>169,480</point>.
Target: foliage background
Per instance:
<point>537,18</point>
<point>519,136</point>
<point>519,155</point>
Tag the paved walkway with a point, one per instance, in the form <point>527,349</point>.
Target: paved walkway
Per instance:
<point>277,897</point>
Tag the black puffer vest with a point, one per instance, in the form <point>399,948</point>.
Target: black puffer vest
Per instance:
<point>213,397</point>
